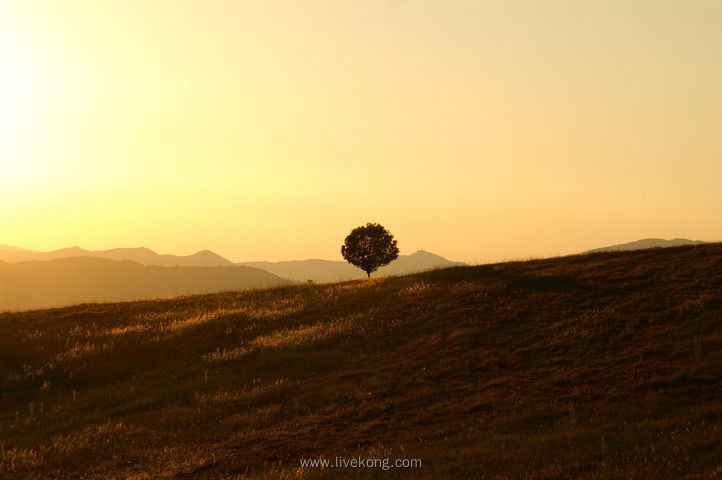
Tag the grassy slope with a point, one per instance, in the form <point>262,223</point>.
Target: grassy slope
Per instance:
<point>599,366</point>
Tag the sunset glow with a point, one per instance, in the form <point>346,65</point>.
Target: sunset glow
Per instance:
<point>267,130</point>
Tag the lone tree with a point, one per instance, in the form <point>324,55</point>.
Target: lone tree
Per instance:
<point>369,248</point>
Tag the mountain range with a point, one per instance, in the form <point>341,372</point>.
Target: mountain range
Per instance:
<point>297,270</point>
<point>66,281</point>
<point>144,256</point>
<point>33,279</point>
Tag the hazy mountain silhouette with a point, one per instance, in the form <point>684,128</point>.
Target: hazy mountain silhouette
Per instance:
<point>646,243</point>
<point>331,271</point>
<point>144,256</point>
<point>12,248</point>
<point>66,281</point>
<point>297,270</point>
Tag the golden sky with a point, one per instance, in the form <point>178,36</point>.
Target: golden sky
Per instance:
<point>266,130</point>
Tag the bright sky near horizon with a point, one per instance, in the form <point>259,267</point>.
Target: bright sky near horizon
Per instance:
<point>479,130</point>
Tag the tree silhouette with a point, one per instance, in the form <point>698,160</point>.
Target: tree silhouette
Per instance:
<point>369,248</point>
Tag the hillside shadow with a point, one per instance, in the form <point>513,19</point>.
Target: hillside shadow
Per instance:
<point>510,278</point>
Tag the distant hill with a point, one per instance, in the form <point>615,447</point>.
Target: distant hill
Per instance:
<point>12,248</point>
<point>331,271</point>
<point>144,256</point>
<point>67,281</point>
<point>646,243</point>
<point>296,270</point>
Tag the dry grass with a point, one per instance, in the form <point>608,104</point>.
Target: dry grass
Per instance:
<point>598,366</point>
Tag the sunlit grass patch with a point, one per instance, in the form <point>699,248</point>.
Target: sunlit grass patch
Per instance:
<point>79,350</point>
<point>417,287</point>
<point>348,326</point>
<point>256,387</point>
<point>71,446</point>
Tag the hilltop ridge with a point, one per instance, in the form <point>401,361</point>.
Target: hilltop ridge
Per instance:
<point>142,255</point>
<point>647,243</point>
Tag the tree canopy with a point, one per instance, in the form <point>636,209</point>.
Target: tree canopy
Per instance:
<point>370,247</point>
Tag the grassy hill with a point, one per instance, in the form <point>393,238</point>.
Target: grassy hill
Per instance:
<point>598,366</point>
